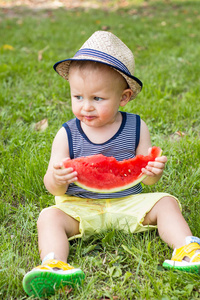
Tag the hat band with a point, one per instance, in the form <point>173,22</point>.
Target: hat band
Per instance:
<point>102,55</point>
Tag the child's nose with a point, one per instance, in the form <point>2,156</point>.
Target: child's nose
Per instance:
<point>88,105</point>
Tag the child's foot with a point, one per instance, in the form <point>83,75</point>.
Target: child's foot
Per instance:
<point>51,276</point>
<point>186,258</point>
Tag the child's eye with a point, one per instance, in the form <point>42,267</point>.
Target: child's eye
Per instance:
<point>78,97</point>
<point>98,98</point>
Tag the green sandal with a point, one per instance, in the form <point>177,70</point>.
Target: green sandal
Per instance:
<point>177,261</point>
<point>50,277</point>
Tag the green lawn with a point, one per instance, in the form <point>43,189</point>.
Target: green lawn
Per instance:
<point>164,37</point>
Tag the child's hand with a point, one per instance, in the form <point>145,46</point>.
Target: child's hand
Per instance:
<point>154,170</point>
<point>63,176</point>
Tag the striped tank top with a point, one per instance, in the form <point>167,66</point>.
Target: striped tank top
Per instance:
<point>121,146</point>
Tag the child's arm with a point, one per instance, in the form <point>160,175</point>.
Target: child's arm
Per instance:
<point>57,178</point>
<point>153,170</point>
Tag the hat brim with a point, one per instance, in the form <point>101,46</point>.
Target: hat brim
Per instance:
<point>62,68</point>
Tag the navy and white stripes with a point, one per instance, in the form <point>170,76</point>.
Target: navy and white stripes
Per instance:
<point>109,59</point>
<point>122,146</point>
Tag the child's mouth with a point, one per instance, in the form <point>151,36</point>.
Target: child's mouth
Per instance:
<point>89,117</point>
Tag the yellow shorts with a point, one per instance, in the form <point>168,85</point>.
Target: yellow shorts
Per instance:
<point>95,215</point>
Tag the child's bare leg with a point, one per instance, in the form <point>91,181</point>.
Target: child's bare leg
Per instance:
<point>172,227</point>
<point>54,228</point>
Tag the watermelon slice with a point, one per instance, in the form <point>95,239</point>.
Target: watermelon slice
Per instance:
<point>102,174</point>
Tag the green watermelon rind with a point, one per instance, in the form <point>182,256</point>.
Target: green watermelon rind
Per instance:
<point>112,190</point>
<point>140,178</point>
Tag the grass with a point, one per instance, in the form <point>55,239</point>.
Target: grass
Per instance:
<point>164,37</point>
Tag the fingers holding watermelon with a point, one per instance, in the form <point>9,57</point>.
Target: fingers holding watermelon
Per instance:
<point>63,175</point>
<point>154,169</point>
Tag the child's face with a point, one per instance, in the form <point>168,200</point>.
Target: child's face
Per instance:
<point>96,95</point>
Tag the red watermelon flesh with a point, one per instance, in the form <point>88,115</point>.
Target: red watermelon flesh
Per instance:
<point>102,174</point>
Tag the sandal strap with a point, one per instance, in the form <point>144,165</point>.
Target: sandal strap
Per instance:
<point>51,264</point>
<point>189,251</point>
<point>195,257</point>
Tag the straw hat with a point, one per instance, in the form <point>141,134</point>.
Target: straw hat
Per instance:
<point>106,48</point>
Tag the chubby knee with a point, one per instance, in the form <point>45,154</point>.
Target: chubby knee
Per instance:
<point>166,204</point>
<point>53,217</point>
<point>168,201</point>
<point>47,216</point>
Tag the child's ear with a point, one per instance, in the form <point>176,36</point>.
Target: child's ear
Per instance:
<point>126,96</point>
